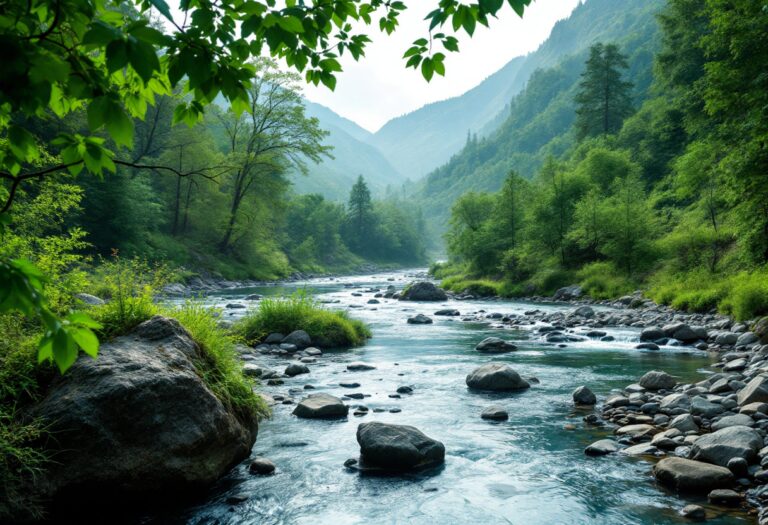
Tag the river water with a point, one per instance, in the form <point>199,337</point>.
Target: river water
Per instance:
<point>528,470</point>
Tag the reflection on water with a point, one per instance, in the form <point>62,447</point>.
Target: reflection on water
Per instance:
<point>527,470</point>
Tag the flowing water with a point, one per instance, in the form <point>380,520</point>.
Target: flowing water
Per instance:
<point>528,470</point>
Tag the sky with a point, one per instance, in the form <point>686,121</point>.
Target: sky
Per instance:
<point>379,87</point>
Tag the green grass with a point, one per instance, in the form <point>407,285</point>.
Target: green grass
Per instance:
<point>326,328</point>
<point>601,280</point>
<point>220,367</point>
<point>476,287</point>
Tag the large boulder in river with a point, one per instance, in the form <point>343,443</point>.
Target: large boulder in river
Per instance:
<point>730,442</point>
<point>685,475</point>
<point>140,421</point>
<point>652,333</point>
<point>397,447</point>
<point>321,406</point>
<point>568,292</point>
<point>496,376</point>
<point>300,338</point>
<point>584,396</point>
<point>423,291</point>
<point>657,380</point>
<point>495,345</point>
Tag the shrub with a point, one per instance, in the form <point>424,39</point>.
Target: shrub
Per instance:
<point>327,328</point>
<point>220,367</point>
<point>601,280</point>
<point>748,296</point>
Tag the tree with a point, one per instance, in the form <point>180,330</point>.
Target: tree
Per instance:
<point>604,97</point>
<point>273,136</point>
<point>359,216</point>
<point>511,209</point>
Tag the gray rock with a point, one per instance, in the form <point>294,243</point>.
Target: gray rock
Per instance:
<point>584,311</point>
<point>495,345</point>
<point>321,406</point>
<point>651,333</point>
<point>262,466</point>
<point>657,380</point>
<point>448,312</point>
<point>584,396</point>
<point>602,448</point>
<point>673,401</point>
<point>300,338</point>
<point>643,449</point>
<point>495,413</point>
<point>295,369</point>
<point>702,407</point>
<point>731,442</point>
<point>736,365</point>
<point>726,497</point>
<point>737,420</point>
<point>726,338</point>
<point>637,432</point>
<point>496,376</point>
<point>686,475</point>
<point>756,391</point>
<point>694,512</point>
<point>397,447</point>
<point>423,291</point>
<point>568,292</point>
<point>139,419</point>
<point>359,366</point>
<point>747,338</point>
<point>419,319</point>
<point>684,423</point>
<point>89,299</point>
<point>274,338</point>
<point>647,346</point>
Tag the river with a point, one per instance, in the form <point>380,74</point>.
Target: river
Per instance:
<point>527,470</point>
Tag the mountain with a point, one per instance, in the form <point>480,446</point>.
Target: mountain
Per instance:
<point>421,141</point>
<point>538,120</point>
<point>353,156</point>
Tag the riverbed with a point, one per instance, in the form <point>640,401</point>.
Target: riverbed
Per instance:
<point>528,470</point>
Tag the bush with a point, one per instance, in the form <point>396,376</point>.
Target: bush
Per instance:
<point>601,280</point>
<point>476,287</point>
<point>327,328</point>
<point>221,367</point>
<point>748,297</point>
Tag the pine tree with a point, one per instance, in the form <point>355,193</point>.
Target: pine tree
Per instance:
<point>359,214</point>
<point>603,99</point>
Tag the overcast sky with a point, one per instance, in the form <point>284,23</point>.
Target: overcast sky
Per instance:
<point>379,88</point>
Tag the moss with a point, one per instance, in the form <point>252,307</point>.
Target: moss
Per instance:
<point>326,328</point>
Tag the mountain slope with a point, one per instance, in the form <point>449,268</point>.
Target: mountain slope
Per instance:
<point>539,119</point>
<point>353,156</point>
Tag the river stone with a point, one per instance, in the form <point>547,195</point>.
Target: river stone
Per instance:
<point>652,333</point>
<point>423,291</point>
<point>747,338</point>
<point>733,421</point>
<point>397,447</point>
<point>274,338</point>
<point>657,380</point>
<point>726,338</point>
<point>756,391</point>
<point>359,366</point>
<point>139,421</point>
<point>419,319</point>
<point>731,442</point>
<point>448,312</point>
<point>686,475</point>
<point>584,311</point>
<point>295,369</point>
<point>638,432</point>
<point>694,512</point>
<point>673,401</point>
<point>312,351</point>
<point>321,406</point>
<point>262,466</point>
<point>494,345</point>
<point>643,449</point>
<point>495,413</point>
<point>724,497</point>
<point>584,396</point>
<point>647,346</point>
<point>736,365</point>
<point>702,407</point>
<point>684,423</point>
<point>602,448</point>
<point>89,299</point>
<point>300,338</point>
<point>496,376</point>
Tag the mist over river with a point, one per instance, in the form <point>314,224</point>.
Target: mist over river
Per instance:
<point>527,470</point>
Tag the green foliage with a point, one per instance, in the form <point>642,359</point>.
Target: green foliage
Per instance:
<point>220,367</point>
<point>326,328</point>
<point>476,287</point>
<point>602,280</point>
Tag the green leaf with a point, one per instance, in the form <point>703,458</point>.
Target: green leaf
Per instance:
<point>117,55</point>
<point>83,319</point>
<point>291,24</point>
<point>427,69</point>
<point>86,340</point>
<point>22,143</point>
<point>161,6</point>
<point>490,6</point>
<point>143,58</point>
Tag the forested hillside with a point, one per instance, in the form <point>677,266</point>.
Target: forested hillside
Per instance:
<point>660,187</point>
<point>539,119</point>
<point>421,141</point>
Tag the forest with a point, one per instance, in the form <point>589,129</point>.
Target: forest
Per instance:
<point>666,195</point>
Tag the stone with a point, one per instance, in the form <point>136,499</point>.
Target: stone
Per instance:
<point>448,312</point>
<point>300,338</point>
<point>643,449</point>
<point>731,442</point>
<point>262,466</point>
<point>686,475</point>
<point>694,512</point>
<point>419,319</point>
<point>647,346</point>
<point>651,333</point>
<point>754,408</point>
<point>702,407</point>
<point>637,432</point>
<point>321,406</point>
<point>602,448</point>
<point>235,306</point>
<point>733,421</point>
<point>494,345</point>
<point>423,291</point>
<point>747,338</point>
<point>349,384</point>
<point>495,413</point>
<point>359,366</point>
<point>756,391</point>
<point>684,423</point>
<point>672,401</point>
<point>89,299</point>
<point>274,338</point>
<point>568,293</point>
<point>312,351</point>
<point>584,311</point>
<point>584,396</point>
<point>404,390</point>
<point>738,466</point>
<point>657,380</point>
<point>397,447</point>
<point>726,497</point>
<point>497,377</point>
<point>735,366</point>
<point>139,420</point>
<point>295,369</point>
<point>726,338</point>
